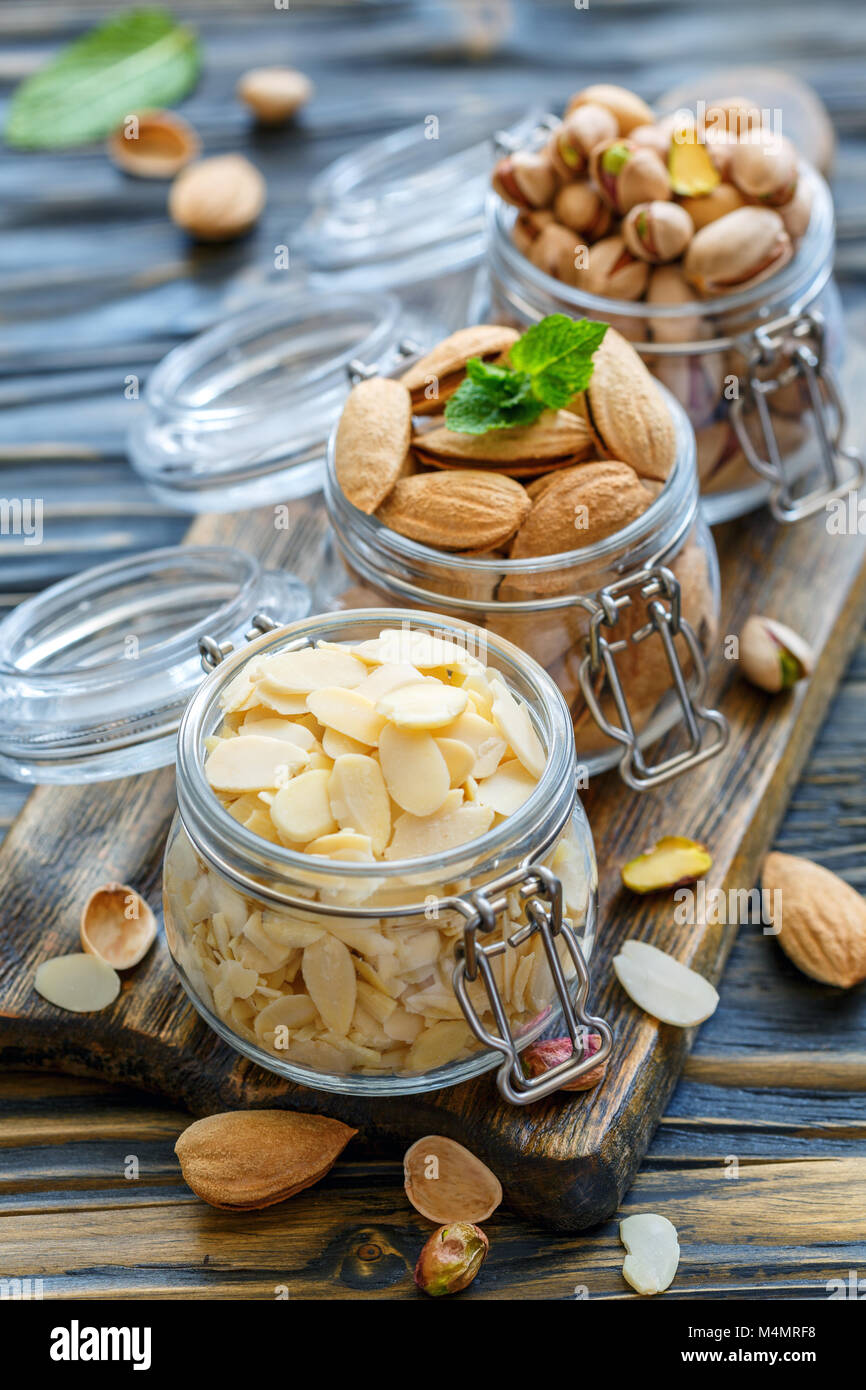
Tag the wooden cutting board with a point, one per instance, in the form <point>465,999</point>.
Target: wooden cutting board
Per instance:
<point>566,1161</point>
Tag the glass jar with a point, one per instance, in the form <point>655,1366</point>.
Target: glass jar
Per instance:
<point>623,626</point>
<point>461,958</point>
<point>755,369</point>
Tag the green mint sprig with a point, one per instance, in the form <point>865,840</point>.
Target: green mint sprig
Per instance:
<point>547,368</point>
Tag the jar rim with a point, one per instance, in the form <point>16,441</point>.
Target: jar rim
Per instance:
<point>205,817</point>
<point>792,280</point>
<point>681,481</point>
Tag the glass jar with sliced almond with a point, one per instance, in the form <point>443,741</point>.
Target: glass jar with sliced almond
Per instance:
<point>573,531</point>
<point>708,241</point>
<point>381,879</point>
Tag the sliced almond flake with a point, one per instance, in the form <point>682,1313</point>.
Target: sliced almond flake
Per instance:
<point>459,759</point>
<point>483,737</point>
<point>297,673</point>
<point>81,983</point>
<point>360,1056</point>
<point>271,726</point>
<point>653,1252</point>
<point>508,788</point>
<point>403,1026</point>
<point>428,705</point>
<point>398,646</point>
<point>275,699</point>
<point>239,688</point>
<point>289,931</point>
<point>421,948</point>
<point>477,687</point>
<point>379,1005</point>
<point>415,772</point>
<point>434,1047</point>
<point>521,979</point>
<point>363,938</point>
<point>359,798</point>
<point>347,712</point>
<point>383,679</point>
<point>329,974</point>
<point>250,764</point>
<point>663,986</point>
<point>275,952</point>
<point>290,1011</point>
<point>455,823</point>
<point>260,824</point>
<point>301,811</point>
<point>514,723</point>
<point>317,1055</point>
<point>251,957</point>
<point>567,862</point>
<point>335,745</point>
<point>391,987</point>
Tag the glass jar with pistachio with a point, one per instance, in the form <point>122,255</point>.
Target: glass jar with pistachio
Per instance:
<point>708,242</point>
<point>543,487</point>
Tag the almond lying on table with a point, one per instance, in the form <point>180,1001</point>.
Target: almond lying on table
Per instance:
<point>822,922</point>
<point>372,446</point>
<point>244,1160</point>
<point>457,509</point>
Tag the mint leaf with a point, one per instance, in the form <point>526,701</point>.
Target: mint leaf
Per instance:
<point>557,354</point>
<point>492,397</point>
<point>139,59</point>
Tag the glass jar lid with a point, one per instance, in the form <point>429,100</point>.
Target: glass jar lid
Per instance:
<point>240,415</point>
<point>95,672</point>
<point>409,206</point>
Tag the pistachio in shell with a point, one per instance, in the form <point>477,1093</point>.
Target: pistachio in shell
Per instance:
<point>612,271</point>
<point>528,226</point>
<point>574,138</point>
<point>772,656</point>
<point>526,179</point>
<point>668,285</point>
<point>626,173</point>
<point>451,1259</point>
<point>117,926</point>
<point>736,116</point>
<point>557,437</point>
<point>579,206</point>
<point>627,412</point>
<point>554,252</point>
<point>372,442</point>
<point>796,214</point>
<point>629,109</point>
<point>741,249</point>
<point>657,232</point>
<point>445,1182</point>
<point>709,207</point>
<point>764,168</point>
<point>435,377</point>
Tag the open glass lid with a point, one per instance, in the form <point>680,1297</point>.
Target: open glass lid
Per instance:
<point>95,672</point>
<point>410,206</point>
<point>239,417</point>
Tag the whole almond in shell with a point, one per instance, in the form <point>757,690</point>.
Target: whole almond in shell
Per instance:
<point>822,920</point>
<point>556,437</point>
<point>436,376</point>
<point>627,411</point>
<point>580,506</point>
<point>372,444</point>
<point>462,509</point>
<point>248,1159</point>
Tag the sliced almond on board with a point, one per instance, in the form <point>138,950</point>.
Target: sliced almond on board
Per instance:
<point>557,436</point>
<point>663,986</point>
<point>627,411</point>
<point>653,1252</point>
<point>248,1159</point>
<point>436,376</point>
<point>81,983</point>
<point>372,441</point>
<point>445,1182</point>
<point>456,509</point>
<point>117,926</point>
<point>579,507</point>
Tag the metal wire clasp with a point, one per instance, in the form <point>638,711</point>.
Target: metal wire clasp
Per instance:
<point>213,652</point>
<point>542,893</point>
<point>796,346</point>
<point>659,586</point>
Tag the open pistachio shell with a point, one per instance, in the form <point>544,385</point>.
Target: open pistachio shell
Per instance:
<point>445,1182</point>
<point>117,926</point>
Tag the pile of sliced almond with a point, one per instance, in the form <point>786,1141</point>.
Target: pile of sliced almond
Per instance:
<point>568,480</point>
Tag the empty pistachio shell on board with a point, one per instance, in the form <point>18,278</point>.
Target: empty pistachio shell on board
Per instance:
<point>445,1182</point>
<point>611,270</point>
<point>738,250</point>
<point>372,441</point>
<point>217,199</point>
<point>244,1160</point>
<point>626,173</point>
<point>451,1259</point>
<point>628,108</point>
<point>274,94</point>
<point>653,1252</point>
<point>672,861</point>
<point>81,983</point>
<point>709,207</point>
<point>773,656</point>
<point>434,378</point>
<point>579,206</point>
<point>574,139</point>
<point>627,411</point>
<point>117,926</point>
<point>657,232</point>
<point>153,144</point>
<point>764,167</point>
<point>663,987</point>
<point>525,179</point>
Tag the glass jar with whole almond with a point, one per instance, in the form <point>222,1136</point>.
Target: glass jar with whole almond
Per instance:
<point>622,622</point>
<point>380,879</point>
<point>753,353</point>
